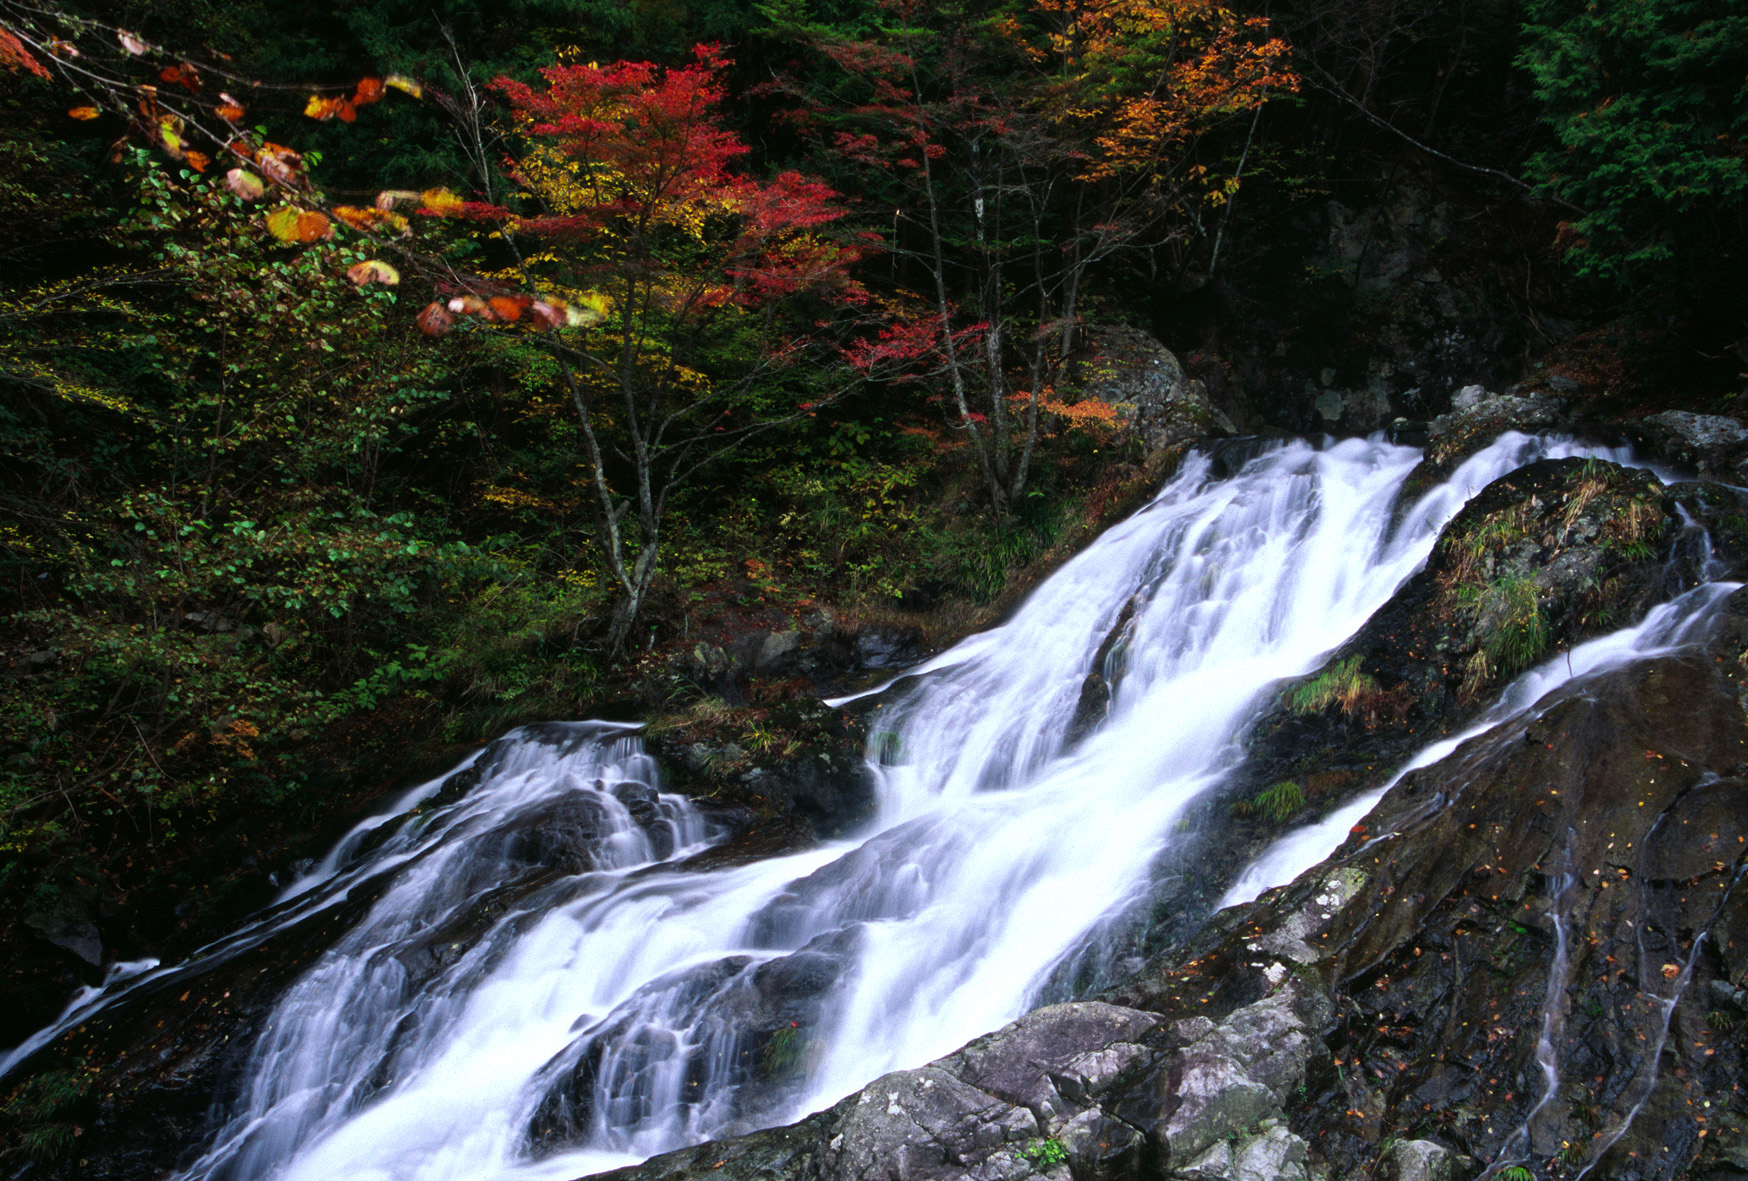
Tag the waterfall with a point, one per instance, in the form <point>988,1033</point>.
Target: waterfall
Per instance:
<point>550,979</point>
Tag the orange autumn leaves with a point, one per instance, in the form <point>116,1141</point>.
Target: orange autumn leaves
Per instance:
<point>300,227</point>
<point>1151,75</point>
<point>290,224</point>
<point>342,107</point>
<point>439,316</point>
<point>167,101</point>
<point>15,57</point>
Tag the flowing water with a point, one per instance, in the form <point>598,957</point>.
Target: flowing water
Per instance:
<point>550,979</point>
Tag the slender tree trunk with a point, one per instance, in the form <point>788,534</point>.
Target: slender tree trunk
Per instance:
<point>949,346</point>
<point>1072,267</point>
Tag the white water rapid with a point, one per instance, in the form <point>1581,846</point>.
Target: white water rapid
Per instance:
<point>601,1014</point>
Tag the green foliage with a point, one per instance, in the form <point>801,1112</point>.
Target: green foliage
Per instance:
<point>247,508</point>
<point>1515,1173</point>
<point>1647,101</point>
<point>1514,626</point>
<point>39,1113</point>
<point>785,1053</point>
<point>861,511</point>
<point>1279,802</point>
<point>1046,1153</point>
<point>981,561</point>
<point>1341,684</point>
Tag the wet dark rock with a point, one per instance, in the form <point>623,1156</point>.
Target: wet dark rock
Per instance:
<point>643,803</point>
<point>801,758</point>
<point>1548,556</point>
<point>1405,432</point>
<point>168,1055</point>
<point>1712,445</point>
<point>1107,669</point>
<point>749,1042</point>
<point>66,922</point>
<point>558,835</point>
<point>1454,437</point>
<point>752,838</point>
<point>1553,554</point>
<point>1227,457</point>
<point>827,655</point>
<point>1611,827</point>
<point>877,648</point>
<point>627,1053</point>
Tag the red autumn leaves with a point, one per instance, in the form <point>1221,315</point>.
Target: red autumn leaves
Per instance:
<point>639,181</point>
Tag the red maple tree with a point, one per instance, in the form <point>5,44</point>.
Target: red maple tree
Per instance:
<point>687,271</point>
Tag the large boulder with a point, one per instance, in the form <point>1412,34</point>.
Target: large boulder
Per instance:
<point>1160,406</point>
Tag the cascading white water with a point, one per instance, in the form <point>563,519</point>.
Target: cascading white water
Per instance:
<point>609,1009</point>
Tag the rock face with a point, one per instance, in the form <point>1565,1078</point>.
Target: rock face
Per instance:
<point>804,760</point>
<point>1398,304</point>
<point>1551,555</point>
<point>1090,1089</point>
<point>751,1030</point>
<point>1477,418</point>
<point>825,654</point>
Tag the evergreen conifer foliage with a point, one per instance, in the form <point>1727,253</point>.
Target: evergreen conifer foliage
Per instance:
<point>1648,100</point>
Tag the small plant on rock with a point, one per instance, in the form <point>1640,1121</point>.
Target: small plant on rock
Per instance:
<point>1513,629</point>
<point>1046,1153</point>
<point>785,1053</point>
<point>1279,802</point>
<point>1341,684</point>
<point>40,1110</point>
